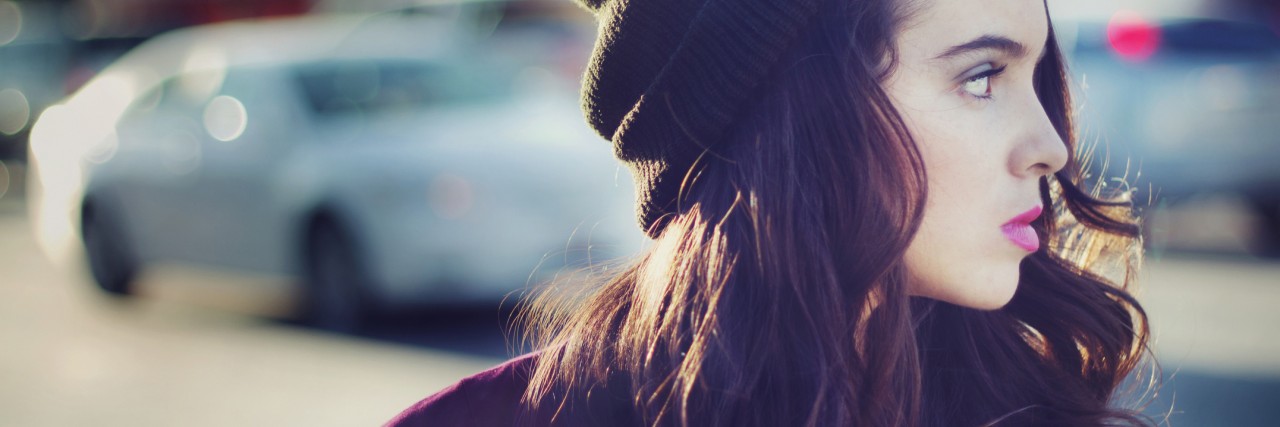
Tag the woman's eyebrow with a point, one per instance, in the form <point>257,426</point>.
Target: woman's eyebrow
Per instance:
<point>1003,44</point>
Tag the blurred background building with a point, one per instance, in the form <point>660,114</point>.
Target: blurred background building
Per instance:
<point>315,212</point>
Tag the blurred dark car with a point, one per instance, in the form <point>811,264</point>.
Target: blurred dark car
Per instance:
<point>1183,107</point>
<point>385,162</point>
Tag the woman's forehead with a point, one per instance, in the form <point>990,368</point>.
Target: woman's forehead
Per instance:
<point>932,27</point>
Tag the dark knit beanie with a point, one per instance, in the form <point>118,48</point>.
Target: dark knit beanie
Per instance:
<point>667,78</point>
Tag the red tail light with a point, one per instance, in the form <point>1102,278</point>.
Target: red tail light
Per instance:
<point>1132,37</point>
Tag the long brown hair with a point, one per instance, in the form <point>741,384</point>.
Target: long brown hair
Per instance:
<point>776,294</point>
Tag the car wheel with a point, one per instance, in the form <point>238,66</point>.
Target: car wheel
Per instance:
<point>333,295</point>
<point>111,262</point>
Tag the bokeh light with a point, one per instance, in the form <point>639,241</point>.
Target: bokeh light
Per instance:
<point>15,110</point>
<point>225,118</point>
<point>10,21</point>
<point>1132,37</point>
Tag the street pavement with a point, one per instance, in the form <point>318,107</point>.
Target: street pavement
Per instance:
<point>207,349</point>
<point>69,357</point>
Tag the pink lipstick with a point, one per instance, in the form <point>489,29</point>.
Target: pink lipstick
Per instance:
<point>1018,230</point>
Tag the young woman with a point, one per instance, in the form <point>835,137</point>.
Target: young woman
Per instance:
<point>864,212</point>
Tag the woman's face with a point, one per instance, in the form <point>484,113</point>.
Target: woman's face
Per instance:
<point>963,85</point>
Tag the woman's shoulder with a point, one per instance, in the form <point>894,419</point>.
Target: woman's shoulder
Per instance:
<point>488,398</point>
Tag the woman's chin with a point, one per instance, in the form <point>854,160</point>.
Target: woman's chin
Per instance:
<point>992,292</point>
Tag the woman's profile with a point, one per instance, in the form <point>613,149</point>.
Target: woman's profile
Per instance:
<point>863,213</point>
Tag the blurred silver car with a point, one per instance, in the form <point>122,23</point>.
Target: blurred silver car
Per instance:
<point>1183,106</point>
<point>387,161</point>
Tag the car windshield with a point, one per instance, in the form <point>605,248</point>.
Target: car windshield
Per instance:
<point>337,88</point>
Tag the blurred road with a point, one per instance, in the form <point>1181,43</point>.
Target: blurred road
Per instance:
<point>191,353</point>
<point>70,357</point>
<point>1214,324</point>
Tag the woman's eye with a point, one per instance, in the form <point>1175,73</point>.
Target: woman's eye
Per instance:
<point>979,85</point>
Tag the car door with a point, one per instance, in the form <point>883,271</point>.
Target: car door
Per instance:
<point>250,129</point>
<point>151,172</point>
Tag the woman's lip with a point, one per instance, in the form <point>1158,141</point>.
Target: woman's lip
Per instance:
<point>1019,231</point>
<point>1026,217</point>
<point>1022,236</point>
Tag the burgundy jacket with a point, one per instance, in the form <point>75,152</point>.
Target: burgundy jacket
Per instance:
<point>492,398</point>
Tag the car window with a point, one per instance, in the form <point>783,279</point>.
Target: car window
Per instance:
<point>175,94</point>
<point>376,87</point>
<point>1210,36</point>
<point>250,105</point>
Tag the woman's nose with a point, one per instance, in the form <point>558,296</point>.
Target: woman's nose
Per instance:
<point>1040,150</point>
